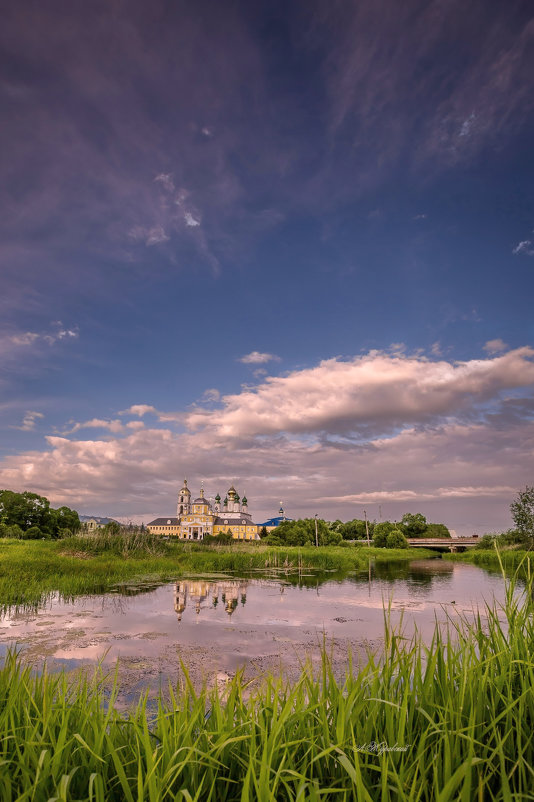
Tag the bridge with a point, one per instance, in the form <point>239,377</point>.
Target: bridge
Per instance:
<point>451,544</point>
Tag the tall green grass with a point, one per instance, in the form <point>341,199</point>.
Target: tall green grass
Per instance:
<point>450,721</point>
<point>29,570</point>
<point>495,559</point>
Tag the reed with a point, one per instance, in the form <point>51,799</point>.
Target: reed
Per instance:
<point>29,570</point>
<point>496,559</point>
<point>453,720</point>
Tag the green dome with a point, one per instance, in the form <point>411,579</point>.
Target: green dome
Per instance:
<point>217,497</point>
<point>245,500</point>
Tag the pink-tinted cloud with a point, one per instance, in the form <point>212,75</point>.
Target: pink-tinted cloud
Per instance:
<point>379,389</point>
<point>258,358</point>
<point>139,409</point>
<point>430,471</point>
<point>457,471</point>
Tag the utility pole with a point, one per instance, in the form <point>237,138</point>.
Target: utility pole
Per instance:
<point>366,528</point>
<point>316,535</point>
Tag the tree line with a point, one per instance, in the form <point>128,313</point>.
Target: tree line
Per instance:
<point>30,517</point>
<point>383,534</point>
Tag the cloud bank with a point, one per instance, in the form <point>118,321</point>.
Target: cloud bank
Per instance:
<point>378,390</point>
<point>399,432</point>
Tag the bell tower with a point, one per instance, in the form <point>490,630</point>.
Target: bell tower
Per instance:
<point>184,501</point>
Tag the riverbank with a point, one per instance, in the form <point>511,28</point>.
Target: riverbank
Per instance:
<point>508,559</point>
<point>75,566</point>
<point>449,721</point>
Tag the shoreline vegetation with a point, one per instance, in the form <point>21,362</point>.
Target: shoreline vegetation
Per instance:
<point>449,721</point>
<point>496,559</point>
<point>88,565</point>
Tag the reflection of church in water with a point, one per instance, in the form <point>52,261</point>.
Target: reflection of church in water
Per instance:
<point>197,592</point>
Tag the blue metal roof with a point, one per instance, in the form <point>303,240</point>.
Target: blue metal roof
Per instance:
<point>276,521</point>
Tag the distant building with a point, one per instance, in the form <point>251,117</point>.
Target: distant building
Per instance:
<point>91,523</point>
<point>272,523</point>
<point>198,519</point>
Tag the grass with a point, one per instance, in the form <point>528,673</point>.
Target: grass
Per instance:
<point>494,559</point>
<point>458,715</point>
<point>85,565</point>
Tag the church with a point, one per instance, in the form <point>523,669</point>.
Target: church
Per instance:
<point>198,519</point>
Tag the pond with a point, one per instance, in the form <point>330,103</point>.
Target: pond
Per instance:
<point>220,623</point>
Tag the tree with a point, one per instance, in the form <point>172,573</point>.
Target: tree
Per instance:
<point>437,530</point>
<point>26,510</point>
<point>522,510</point>
<point>356,530</point>
<point>396,540</point>
<point>414,525</point>
<point>336,526</point>
<point>34,533</point>
<point>112,528</point>
<point>11,531</point>
<point>263,532</point>
<point>333,539</point>
<point>65,518</point>
<point>380,533</point>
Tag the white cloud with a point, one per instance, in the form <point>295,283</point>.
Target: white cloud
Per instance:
<point>258,358</point>
<point>212,394</point>
<point>156,235</point>
<point>431,470</point>
<point>61,334</point>
<point>525,247</point>
<point>26,339</point>
<point>380,496</point>
<point>166,180</point>
<point>29,420</point>
<point>150,236</point>
<point>495,346</point>
<point>139,409</point>
<point>114,426</point>
<point>381,390</point>
<point>432,460</point>
<point>190,220</point>
<point>467,125</point>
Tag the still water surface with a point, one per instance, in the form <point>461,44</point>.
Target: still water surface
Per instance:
<point>220,623</point>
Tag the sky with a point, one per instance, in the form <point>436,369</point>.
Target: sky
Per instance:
<point>288,246</point>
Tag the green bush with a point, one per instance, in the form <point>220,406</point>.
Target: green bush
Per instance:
<point>13,530</point>
<point>486,542</point>
<point>225,538</point>
<point>396,540</point>
<point>34,533</point>
<point>381,532</point>
<point>272,540</point>
<point>333,539</point>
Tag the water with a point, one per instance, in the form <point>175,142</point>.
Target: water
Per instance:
<point>218,624</point>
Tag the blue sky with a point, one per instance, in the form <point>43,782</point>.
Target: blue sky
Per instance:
<point>342,191</point>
